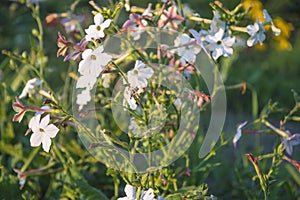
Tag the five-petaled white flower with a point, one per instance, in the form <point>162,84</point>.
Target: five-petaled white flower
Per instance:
<point>291,141</point>
<point>220,45</point>
<point>93,61</point>
<point>30,87</point>
<point>95,31</point>
<point>42,132</point>
<point>187,48</point>
<point>139,75</point>
<point>257,33</point>
<point>90,68</point>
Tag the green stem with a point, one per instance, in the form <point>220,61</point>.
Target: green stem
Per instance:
<point>276,130</point>
<point>60,157</point>
<point>30,158</point>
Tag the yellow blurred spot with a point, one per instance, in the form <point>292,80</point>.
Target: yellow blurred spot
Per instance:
<point>283,43</point>
<point>284,26</point>
<point>262,47</point>
<point>256,11</point>
<point>73,75</point>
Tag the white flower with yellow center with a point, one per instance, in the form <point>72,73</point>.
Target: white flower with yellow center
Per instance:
<point>42,132</point>
<point>139,75</point>
<point>96,30</point>
<point>220,45</point>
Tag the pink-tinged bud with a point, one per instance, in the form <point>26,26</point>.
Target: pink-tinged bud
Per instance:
<point>62,44</point>
<point>20,109</point>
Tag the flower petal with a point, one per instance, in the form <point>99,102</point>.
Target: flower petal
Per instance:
<point>51,130</point>
<point>45,121</point>
<point>34,123</point>
<point>98,19</point>
<point>46,142</point>
<point>149,195</point>
<point>106,24</point>
<point>36,139</point>
<point>130,192</point>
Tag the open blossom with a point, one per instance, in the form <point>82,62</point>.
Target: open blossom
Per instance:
<point>257,34</point>
<point>91,66</point>
<point>291,141</point>
<point>42,132</point>
<point>130,192</point>
<point>220,45</point>
<point>170,18</point>
<point>30,87</point>
<point>186,49</point>
<point>139,75</point>
<point>95,31</point>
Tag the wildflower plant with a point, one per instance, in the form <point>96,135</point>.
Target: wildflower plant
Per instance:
<point>141,89</point>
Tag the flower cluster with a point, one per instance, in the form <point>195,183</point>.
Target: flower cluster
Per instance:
<point>145,99</point>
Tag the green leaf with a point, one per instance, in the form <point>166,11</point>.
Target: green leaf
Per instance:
<point>85,190</point>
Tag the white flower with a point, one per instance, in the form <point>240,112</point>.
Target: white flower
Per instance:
<point>93,61</point>
<point>139,75</point>
<point>91,66</point>
<point>130,192</point>
<point>95,31</point>
<point>30,87</point>
<point>186,50</point>
<point>83,98</point>
<point>218,45</point>
<point>291,141</point>
<point>129,94</point>
<point>42,132</point>
<point>257,33</point>
<point>238,134</point>
<point>276,31</point>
